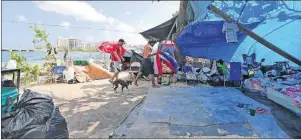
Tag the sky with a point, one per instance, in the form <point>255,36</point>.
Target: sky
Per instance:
<point>131,17</point>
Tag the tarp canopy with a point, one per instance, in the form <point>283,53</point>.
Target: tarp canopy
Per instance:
<point>161,31</point>
<point>278,22</point>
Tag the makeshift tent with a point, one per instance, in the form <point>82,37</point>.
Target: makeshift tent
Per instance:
<point>167,59</point>
<point>161,31</point>
<point>278,22</point>
<point>168,46</point>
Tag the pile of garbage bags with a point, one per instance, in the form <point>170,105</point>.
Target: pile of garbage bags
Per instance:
<point>34,117</point>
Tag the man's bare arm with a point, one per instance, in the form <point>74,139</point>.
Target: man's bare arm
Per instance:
<point>152,54</point>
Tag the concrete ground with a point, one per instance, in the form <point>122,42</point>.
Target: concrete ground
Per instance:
<point>91,109</point>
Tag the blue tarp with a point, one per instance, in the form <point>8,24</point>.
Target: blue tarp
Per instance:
<point>206,40</point>
<point>279,22</point>
<point>198,112</point>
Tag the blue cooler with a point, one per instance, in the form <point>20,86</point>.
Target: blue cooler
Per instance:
<point>9,88</point>
<point>9,96</point>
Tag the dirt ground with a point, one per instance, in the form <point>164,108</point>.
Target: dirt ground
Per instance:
<point>91,109</point>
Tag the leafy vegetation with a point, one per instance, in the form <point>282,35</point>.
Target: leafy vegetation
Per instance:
<point>41,36</point>
<point>30,72</point>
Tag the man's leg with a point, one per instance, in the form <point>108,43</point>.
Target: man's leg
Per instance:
<point>153,81</point>
<point>136,79</point>
<point>139,74</point>
<point>115,75</point>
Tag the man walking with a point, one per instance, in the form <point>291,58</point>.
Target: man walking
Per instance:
<point>147,66</point>
<point>117,58</point>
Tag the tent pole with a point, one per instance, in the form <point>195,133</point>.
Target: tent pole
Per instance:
<point>255,36</point>
<point>169,34</point>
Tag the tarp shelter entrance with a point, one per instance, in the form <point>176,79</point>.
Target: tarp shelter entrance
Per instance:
<point>278,22</point>
<point>161,31</point>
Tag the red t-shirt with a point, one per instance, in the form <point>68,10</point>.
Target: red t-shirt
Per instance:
<point>119,51</point>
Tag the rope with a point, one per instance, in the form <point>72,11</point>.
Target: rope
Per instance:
<point>242,10</point>
<point>273,31</point>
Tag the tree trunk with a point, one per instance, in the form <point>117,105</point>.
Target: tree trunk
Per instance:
<point>181,23</point>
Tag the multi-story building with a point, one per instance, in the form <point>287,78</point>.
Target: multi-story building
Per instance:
<point>62,43</point>
<point>73,43</point>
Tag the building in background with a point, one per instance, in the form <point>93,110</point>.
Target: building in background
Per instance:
<point>73,43</point>
<point>62,43</point>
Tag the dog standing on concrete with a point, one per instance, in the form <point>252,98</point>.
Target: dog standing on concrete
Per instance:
<point>123,83</point>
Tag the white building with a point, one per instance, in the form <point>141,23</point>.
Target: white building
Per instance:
<point>62,43</point>
<point>73,43</point>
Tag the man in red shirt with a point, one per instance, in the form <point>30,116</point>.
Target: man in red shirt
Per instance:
<point>117,58</point>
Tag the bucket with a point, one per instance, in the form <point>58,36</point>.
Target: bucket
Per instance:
<point>252,112</point>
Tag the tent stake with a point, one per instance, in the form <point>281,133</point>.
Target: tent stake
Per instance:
<point>255,36</point>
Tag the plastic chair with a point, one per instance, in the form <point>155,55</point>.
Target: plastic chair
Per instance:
<point>57,71</point>
<point>42,79</point>
<point>235,71</point>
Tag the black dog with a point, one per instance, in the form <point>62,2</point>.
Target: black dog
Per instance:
<point>123,83</point>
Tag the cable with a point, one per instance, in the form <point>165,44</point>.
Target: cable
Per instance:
<point>77,27</point>
<point>242,10</point>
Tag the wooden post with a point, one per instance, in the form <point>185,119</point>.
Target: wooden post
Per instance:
<point>255,36</point>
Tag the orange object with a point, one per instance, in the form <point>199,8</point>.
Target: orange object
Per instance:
<point>94,71</point>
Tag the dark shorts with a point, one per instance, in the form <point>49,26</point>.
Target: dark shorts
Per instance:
<point>147,66</point>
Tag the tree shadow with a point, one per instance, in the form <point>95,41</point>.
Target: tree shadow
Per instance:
<point>257,11</point>
<point>98,113</point>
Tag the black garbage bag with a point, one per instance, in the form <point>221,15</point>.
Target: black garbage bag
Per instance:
<point>35,116</point>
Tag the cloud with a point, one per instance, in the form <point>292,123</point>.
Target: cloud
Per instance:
<point>124,27</point>
<point>142,26</point>
<point>111,20</point>
<point>78,9</point>
<point>65,24</point>
<point>22,18</point>
<point>81,10</point>
<point>128,13</point>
